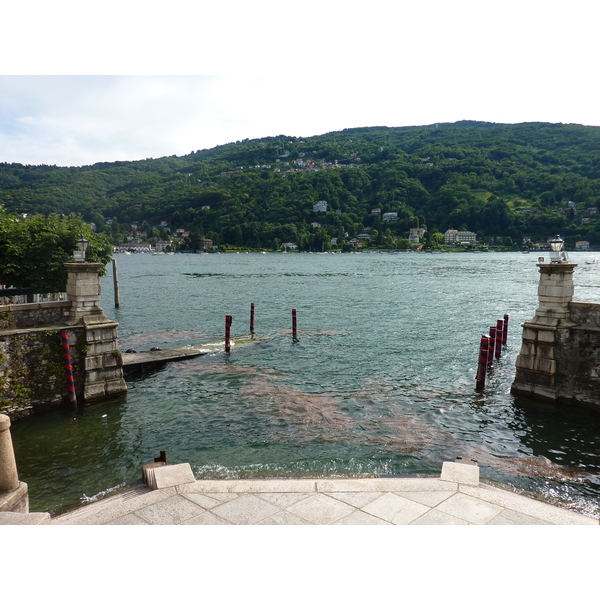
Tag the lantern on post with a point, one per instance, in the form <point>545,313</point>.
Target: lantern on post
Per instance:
<point>79,254</point>
<point>556,254</point>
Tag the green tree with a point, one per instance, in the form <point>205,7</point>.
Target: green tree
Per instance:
<point>437,239</point>
<point>33,249</point>
<point>238,238</point>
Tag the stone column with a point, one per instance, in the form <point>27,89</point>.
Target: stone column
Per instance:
<point>555,291</point>
<point>103,363</point>
<point>14,497</point>
<point>550,328</point>
<point>9,477</point>
<point>83,290</point>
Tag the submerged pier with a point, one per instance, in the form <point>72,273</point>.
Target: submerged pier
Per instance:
<point>139,362</point>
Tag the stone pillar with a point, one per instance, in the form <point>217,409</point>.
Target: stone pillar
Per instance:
<point>103,364</point>
<point>9,478</point>
<point>83,290</point>
<point>555,291</point>
<point>550,328</point>
<point>13,493</point>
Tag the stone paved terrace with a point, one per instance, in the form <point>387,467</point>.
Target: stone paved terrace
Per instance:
<point>457,497</point>
<point>298,562</point>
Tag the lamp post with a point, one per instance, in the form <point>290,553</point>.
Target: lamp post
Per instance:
<point>557,255</point>
<point>79,254</point>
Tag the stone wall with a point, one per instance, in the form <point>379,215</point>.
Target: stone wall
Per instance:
<point>559,359</point>
<point>32,369</point>
<point>26,316</point>
<point>578,356</point>
<point>586,315</point>
<point>103,363</point>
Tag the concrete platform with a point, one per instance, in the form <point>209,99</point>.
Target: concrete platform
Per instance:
<point>145,360</point>
<point>14,518</point>
<point>455,498</point>
<point>139,362</point>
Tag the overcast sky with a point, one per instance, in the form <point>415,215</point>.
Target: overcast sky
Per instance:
<point>247,70</point>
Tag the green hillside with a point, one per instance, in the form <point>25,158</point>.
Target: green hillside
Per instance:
<point>505,182</point>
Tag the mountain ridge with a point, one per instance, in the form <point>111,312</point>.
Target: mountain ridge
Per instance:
<point>520,181</point>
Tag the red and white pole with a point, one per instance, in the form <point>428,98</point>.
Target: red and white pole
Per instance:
<point>499,337</point>
<point>492,343</point>
<point>505,329</point>
<point>294,324</point>
<point>228,320</point>
<point>68,368</point>
<point>482,366</point>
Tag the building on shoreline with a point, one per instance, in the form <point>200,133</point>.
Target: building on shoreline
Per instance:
<point>453,236</point>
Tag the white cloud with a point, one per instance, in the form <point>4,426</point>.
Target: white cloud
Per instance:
<point>301,69</point>
<point>96,118</point>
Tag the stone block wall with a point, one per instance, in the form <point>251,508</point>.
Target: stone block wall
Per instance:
<point>538,361</point>
<point>586,314</point>
<point>562,363</point>
<point>26,316</point>
<point>578,355</point>
<point>32,371</point>
<point>103,364</point>
<point>32,368</point>
<point>560,352</point>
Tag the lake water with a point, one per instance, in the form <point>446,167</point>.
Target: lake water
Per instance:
<point>381,378</point>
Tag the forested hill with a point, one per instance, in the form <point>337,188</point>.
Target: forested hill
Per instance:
<point>529,180</point>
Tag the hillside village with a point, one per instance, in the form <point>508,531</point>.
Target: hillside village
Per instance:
<point>467,185</point>
<point>162,239</point>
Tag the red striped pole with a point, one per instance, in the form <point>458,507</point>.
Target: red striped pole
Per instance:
<point>252,318</point>
<point>68,368</point>
<point>482,366</point>
<point>228,320</point>
<point>294,324</point>
<point>499,337</point>
<point>505,329</point>
<point>492,343</point>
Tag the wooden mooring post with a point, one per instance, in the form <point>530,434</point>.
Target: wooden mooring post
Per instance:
<point>482,365</point>
<point>116,283</point>
<point>228,320</point>
<point>491,344</point>
<point>499,337</point>
<point>294,325</point>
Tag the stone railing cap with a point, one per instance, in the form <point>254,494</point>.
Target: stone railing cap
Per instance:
<point>4,422</point>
